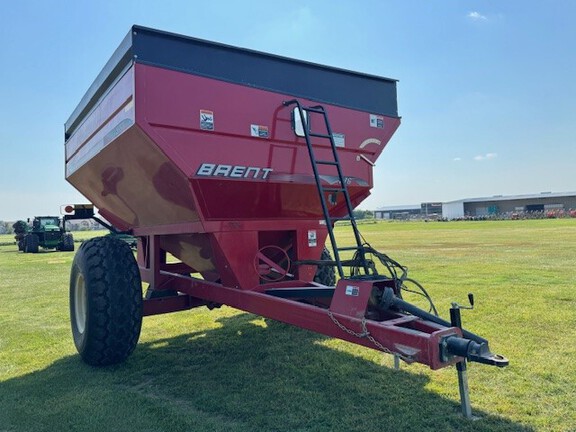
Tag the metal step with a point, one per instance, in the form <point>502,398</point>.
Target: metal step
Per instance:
<point>348,248</point>
<point>313,134</point>
<point>324,162</point>
<point>332,189</point>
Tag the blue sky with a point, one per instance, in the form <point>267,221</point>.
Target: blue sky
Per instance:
<point>487,89</point>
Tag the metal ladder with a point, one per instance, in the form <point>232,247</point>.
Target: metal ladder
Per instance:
<point>340,188</point>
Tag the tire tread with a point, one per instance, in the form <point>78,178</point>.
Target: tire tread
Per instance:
<point>113,287</point>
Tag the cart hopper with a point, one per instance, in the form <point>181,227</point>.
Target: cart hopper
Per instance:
<point>189,140</point>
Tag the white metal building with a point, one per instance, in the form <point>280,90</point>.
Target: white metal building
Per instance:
<point>499,204</point>
<point>484,206</point>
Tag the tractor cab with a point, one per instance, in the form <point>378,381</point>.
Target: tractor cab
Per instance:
<point>47,223</point>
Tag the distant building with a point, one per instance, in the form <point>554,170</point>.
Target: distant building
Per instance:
<point>482,207</point>
<point>499,204</point>
<point>405,212</point>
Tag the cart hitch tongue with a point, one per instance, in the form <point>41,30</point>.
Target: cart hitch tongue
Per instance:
<point>473,351</point>
<point>471,346</point>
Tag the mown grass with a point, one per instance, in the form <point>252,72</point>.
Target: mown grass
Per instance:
<point>226,370</point>
<point>79,236</point>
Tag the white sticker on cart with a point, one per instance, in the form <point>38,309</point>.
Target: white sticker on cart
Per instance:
<point>206,120</point>
<point>376,121</point>
<point>259,131</point>
<point>312,242</point>
<point>339,139</point>
<point>352,290</point>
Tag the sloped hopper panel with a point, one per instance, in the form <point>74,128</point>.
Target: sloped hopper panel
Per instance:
<point>135,182</point>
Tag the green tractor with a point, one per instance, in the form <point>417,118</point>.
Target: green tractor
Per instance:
<point>46,231</point>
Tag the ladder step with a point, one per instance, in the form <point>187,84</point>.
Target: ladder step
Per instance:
<point>315,109</point>
<point>323,162</point>
<point>333,189</point>
<point>347,248</point>
<point>319,135</point>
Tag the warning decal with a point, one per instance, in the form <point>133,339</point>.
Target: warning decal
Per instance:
<point>206,120</point>
<point>312,242</point>
<point>376,121</point>
<point>259,131</point>
<point>352,290</point>
<point>339,139</point>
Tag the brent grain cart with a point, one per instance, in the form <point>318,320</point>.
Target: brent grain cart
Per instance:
<point>239,163</point>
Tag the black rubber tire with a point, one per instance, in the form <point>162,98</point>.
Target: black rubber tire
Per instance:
<point>325,275</point>
<point>105,301</point>
<point>31,243</point>
<point>20,245</point>
<point>67,243</point>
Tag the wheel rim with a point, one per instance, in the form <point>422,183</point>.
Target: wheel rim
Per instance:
<point>80,305</point>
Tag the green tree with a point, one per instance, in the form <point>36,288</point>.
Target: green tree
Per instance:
<point>6,228</point>
<point>363,214</point>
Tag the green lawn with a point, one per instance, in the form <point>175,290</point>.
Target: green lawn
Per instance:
<point>226,370</point>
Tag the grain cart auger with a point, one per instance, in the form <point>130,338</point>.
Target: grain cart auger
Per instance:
<point>227,159</point>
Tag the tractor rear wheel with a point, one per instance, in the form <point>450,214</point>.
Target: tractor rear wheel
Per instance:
<point>31,243</point>
<point>325,275</point>
<point>105,301</point>
<point>67,243</point>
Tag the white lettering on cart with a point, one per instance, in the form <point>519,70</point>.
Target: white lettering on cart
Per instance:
<point>233,171</point>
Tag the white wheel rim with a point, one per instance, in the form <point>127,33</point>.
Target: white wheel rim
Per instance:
<point>80,303</point>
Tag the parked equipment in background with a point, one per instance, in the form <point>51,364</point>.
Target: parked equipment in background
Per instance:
<point>239,164</point>
<point>47,232</point>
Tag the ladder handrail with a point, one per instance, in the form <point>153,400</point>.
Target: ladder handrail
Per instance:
<point>318,184</point>
<point>319,109</point>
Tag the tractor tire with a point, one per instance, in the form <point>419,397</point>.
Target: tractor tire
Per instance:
<point>325,275</point>
<point>67,243</point>
<point>105,301</point>
<point>31,243</point>
<point>20,245</point>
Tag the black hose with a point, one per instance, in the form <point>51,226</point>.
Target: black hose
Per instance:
<point>389,300</point>
<point>397,272</point>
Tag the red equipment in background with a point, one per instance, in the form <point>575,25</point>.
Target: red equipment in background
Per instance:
<point>238,163</point>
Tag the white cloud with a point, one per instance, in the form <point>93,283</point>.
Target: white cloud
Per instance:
<point>476,16</point>
<point>457,159</point>
<point>487,156</point>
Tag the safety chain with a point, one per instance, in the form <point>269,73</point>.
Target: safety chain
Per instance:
<point>365,334</point>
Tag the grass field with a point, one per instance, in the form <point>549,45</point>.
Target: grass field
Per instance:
<point>226,370</point>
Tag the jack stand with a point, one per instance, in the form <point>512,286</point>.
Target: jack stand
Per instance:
<point>396,362</point>
<point>464,390</point>
<point>461,367</point>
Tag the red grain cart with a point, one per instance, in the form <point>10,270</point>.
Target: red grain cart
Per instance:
<point>238,163</point>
